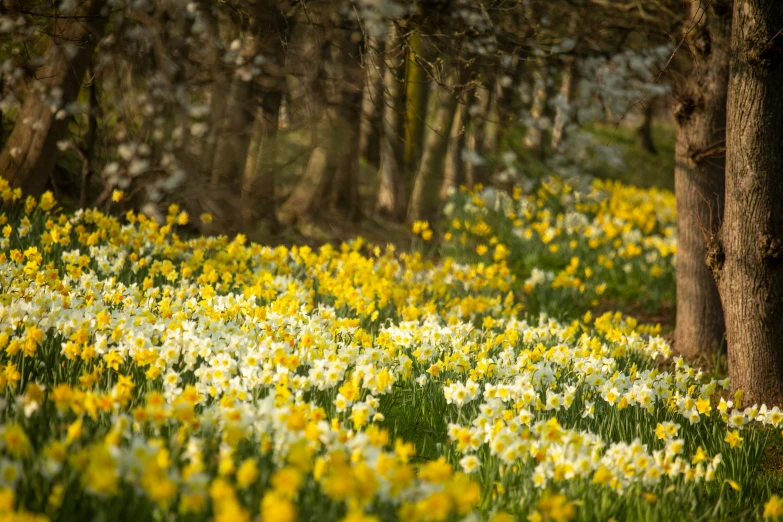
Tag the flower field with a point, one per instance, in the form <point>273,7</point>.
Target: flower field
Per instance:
<point>150,376</point>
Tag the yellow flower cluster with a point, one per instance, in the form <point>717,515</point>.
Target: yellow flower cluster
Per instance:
<point>574,243</point>
<point>213,378</point>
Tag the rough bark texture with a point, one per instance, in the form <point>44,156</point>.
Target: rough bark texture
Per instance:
<point>391,180</point>
<point>751,240</point>
<point>699,178</point>
<point>31,153</point>
<point>425,200</point>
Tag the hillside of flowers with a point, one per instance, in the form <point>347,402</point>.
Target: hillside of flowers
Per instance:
<point>148,375</point>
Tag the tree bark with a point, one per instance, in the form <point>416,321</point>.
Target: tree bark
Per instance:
<point>644,131</point>
<point>372,103</point>
<point>750,279</point>
<point>31,153</point>
<point>417,94</point>
<point>482,139</point>
<point>391,180</point>
<point>89,142</point>
<point>258,187</point>
<point>258,194</point>
<point>533,136</point>
<point>699,178</point>
<point>425,200</point>
<point>454,169</point>
<point>234,137</point>
<point>564,112</point>
<point>333,165</point>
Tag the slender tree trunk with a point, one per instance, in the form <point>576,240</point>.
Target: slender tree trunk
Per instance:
<point>89,142</point>
<point>533,136</point>
<point>564,112</point>
<point>258,188</point>
<point>454,170</point>
<point>234,138</point>
<point>258,195</point>
<point>31,153</point>
<point>417,94</point>
<point>391,180</point>
<point>333,166</point>
<point>372,103</point>
<point>508,102</point>
<point>425,201</point>
<point>218,92</point>
<point>2,95</point>
<point>482,140</point>
<point>699,178</point>
<point>750,244</point>
<point>644,132</point>
<point>346,197</point>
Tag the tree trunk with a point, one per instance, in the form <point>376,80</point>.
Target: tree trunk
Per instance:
<point>258,187</point>
<point>372,103</point>
<point>425,200</point>
<point>482,139</point>
<point>391,180</point>
<point>234,138</point>
<point>699,179</point>
<point>564,112</point>
<point>333,166</point>
<point>258,194</point>
<point>644,132</point>
<point>508,105</point>
<point>89,142</point>
<point>417,93</point>
<point>31,153</point>
<point>454,170</point>
<point>533,137</point>
<point>751,237</point>
<point>218,93</point>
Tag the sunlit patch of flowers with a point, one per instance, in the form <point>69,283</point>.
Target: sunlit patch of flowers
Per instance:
<point>574,243</point>
<point>150,376</point>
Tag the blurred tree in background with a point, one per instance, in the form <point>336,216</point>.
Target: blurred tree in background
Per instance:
<point>263,112</point>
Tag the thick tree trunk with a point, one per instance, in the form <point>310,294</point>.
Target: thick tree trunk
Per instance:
<point>391,180</point>
<point>425,201</point>
<point>644,132</point>
<point>416,96</point>
<point>751,238</point>
<point>699,178</point>
<point>31,153</point>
